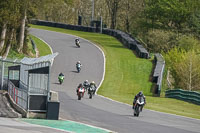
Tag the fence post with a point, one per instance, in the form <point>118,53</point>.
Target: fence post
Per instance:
<point>2,75</point>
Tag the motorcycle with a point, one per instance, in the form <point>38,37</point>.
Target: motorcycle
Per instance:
<point>138,106</point>
<point>61,79</point>
<point>91,91</point>
<point>80,93</point>
<point>77,43</point>
<point>78,67</point>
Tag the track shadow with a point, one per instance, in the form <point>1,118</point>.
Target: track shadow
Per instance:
<point>74,71</point>
<point>57,83</point>
<point>74,46</point>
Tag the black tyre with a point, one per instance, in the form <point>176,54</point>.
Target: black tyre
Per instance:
<point>79,97</point>
<point>90,96</point>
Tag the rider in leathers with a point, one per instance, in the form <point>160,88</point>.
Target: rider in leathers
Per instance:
<point>140,94</point>
<point>93,84</point>
<point>86,85</point>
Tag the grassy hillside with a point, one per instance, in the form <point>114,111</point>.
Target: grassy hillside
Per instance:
<point>126,75</point>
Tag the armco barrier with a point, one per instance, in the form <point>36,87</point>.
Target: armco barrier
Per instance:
<point>189,96</point>
<point>158,72</point>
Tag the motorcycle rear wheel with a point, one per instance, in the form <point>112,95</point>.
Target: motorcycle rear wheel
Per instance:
<point>79,97</point>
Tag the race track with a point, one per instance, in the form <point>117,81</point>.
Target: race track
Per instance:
<point>100,111</point>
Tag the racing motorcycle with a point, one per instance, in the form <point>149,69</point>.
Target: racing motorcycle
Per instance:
<point>78,67</point>
<point>80,93</point>
<point>138,106</point>
<point>61,79</point>
<point>77,43</point>
<point>91,91</point>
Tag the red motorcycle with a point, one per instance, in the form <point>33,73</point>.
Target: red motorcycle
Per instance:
<point>80,92</point>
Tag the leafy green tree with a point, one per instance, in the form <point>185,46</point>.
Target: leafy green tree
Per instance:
<point>188,71</point>
<point>11,16</point>
<point>113,7</point>
<point>170,13</point>
<point>160,40</point>
<point>189,43</point>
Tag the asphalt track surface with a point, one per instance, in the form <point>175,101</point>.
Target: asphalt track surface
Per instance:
<point>99,111</point>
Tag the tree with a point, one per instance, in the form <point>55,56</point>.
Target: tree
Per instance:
<point>4,16</point>
<point>188,71</point>
<point>160,40</point>
<point>10,14</point>
<point>170,13</point>
<point>24,7</point>
<point>113,6</point>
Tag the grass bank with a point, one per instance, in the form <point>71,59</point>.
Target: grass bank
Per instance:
<point>126,75</point>
<point>42,47</point>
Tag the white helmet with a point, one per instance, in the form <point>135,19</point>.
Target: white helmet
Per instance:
<point>79,62</point>
<point>86,80</point>
<point>93,82</point>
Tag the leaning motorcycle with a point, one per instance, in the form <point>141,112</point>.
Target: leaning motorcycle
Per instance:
<point>91,91</point>
<point>138,106</point>
<point>80,93</point>
<point>77,43</point>
<point>78,67</point>
<point>61,79</point>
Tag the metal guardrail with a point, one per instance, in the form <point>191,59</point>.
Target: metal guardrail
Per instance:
<point>33,44</point>
<point>18,95</point>
<point>158,72</point>
<point>189,96</point>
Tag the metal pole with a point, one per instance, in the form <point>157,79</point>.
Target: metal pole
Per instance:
<point>92,10</point>
<point>101,25</point>
<point>2,75</point>
<point>48,83</point>
<point>28,94</point>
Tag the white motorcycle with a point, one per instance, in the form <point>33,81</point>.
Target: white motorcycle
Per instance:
<point>138,106</point>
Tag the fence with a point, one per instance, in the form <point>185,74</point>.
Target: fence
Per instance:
<point>18,95</point>
<point>189,96</point>
<point>28,81</point>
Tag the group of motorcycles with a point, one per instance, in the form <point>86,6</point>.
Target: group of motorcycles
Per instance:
<point>137,107</point>
<point>82,89</point>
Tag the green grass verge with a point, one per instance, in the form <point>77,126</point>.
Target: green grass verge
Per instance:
<point>42,47</point>
<point>126,75</point>
<point>15,55</point>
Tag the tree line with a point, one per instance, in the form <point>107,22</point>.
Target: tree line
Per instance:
<point>171,27</point>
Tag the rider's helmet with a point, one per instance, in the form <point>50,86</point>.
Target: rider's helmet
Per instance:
<point>80,85</point>
<point>86,81</point>
<point>78,62</point>
<point>140,93</point>
<point>93,82</point>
